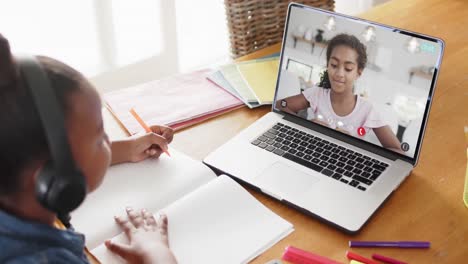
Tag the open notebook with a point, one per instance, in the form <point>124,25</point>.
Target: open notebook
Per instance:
<point>211,219</point>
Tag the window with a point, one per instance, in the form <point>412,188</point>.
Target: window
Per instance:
<point>300,69</point>
<point>67,31</point>
<point>119,43</point>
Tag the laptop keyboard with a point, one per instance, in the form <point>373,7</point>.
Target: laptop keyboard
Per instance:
<point>342,164</point>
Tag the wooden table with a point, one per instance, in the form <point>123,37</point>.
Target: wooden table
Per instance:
<point>428,205</point>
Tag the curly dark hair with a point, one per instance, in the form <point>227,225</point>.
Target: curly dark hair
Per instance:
<point>22,138</point>
<point>344,40</point>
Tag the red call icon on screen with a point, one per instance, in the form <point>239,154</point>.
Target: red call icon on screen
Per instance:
<point>361,131</point>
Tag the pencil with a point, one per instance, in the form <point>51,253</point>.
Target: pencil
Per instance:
<point>145,126</point>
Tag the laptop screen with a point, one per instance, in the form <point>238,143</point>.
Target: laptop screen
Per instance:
<point>366,80</point>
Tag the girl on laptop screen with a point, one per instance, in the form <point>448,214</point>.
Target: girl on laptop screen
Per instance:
<point>333,103</point>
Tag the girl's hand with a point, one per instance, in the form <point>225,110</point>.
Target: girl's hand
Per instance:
<point>151,144</point>
<point>148,238</point>
<point>164,131</point>
<point>139,147</point>
<point>144,146</point>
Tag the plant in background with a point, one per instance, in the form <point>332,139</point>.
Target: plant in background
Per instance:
<point>324,80</point>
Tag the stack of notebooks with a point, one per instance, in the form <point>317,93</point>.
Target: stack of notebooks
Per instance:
<point>253,82</point>
<point>186,99</point>
<point>177,101</point>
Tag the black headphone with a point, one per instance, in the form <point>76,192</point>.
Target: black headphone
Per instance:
<point>60,185</point>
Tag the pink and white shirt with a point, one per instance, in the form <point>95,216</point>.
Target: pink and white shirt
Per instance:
<point>363,115</point>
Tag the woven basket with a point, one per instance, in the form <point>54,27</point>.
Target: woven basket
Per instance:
<point>255,24</point>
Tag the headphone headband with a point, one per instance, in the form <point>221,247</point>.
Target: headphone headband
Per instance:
<point>50,113</point>
<point>60,185</point>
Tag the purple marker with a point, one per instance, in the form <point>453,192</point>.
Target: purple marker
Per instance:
<point>398,244</point>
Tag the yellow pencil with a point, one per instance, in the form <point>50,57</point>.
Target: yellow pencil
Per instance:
<point>145,126</point>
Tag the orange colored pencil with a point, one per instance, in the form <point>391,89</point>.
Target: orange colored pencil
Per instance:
<point>145,126</point>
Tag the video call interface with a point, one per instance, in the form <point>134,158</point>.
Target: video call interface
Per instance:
<point>360,79</point>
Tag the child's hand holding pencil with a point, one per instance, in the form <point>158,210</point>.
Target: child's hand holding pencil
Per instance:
<point>152,144</point>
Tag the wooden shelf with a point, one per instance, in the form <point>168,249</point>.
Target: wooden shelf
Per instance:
<point>312,43</point>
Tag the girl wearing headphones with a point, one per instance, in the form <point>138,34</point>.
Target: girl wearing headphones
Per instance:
<point>28,231</point>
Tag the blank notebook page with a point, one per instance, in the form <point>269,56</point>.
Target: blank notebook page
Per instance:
<point>152,184</point>
<point>219,222</point>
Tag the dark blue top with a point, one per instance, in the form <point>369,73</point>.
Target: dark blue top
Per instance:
<point>23,241</point>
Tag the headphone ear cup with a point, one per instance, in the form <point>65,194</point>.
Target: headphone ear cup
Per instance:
<point>60,185</point>
<point>60,193</point>
<point>67,192</point>
<point>43,183</point>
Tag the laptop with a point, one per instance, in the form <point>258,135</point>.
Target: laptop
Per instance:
<point>348,118</point>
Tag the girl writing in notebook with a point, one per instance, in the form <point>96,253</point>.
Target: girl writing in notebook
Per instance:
<point>27,229</point>
<point>333,103</point>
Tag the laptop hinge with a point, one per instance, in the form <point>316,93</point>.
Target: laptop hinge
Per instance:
<point>346,138</point>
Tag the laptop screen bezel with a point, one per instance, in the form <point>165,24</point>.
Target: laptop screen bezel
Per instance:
<point>348,138</point>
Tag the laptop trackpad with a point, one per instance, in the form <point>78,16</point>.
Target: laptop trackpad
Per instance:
<point>281,179</point>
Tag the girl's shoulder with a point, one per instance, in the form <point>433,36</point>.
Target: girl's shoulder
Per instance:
<point>315,91</point>
<point>367,108</point>
<point>365,103</point>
